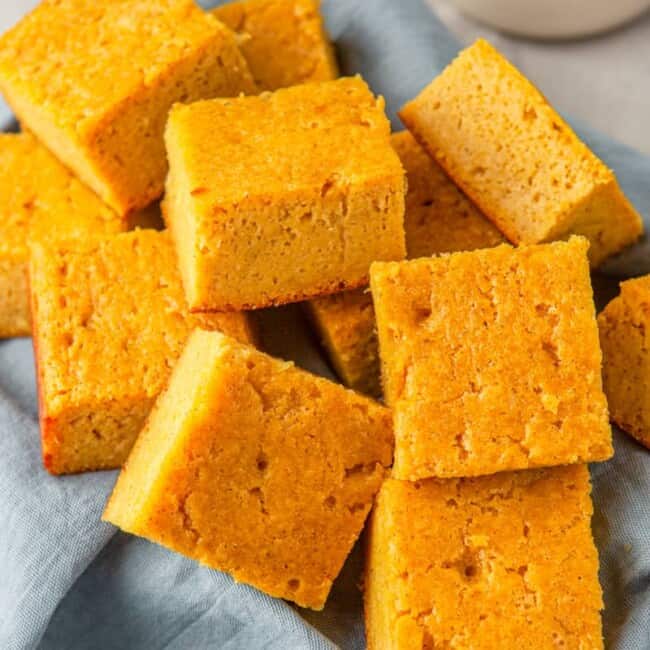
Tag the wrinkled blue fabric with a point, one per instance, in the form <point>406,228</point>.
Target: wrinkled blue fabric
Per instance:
<point>69,581</point>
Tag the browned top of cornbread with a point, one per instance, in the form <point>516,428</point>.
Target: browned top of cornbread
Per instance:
<point>111,319</point>
<point>40,200</point>
<point>255,467</point>
<point>625,339</point>
<point>284,41</point>
<point>439,218</point>
<point>314,135</point>
<point>78,59</point>
<point>491,360</point>
<point>502,561</point>
<point>499,138</point>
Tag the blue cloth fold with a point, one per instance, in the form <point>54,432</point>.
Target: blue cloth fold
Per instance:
<point>69,581</point>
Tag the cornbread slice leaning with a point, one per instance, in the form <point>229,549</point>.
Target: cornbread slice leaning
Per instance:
<point>439,218</point>
<point>40,200</point>
<point>284,41</point>
<point>95,79</point>
<point>625,339</point>
<point>496,135</point>
<point>110,321</point>
<point>281,197</point>
<point>252,466</point>
<point>503,561</point>
<point>491,361</point>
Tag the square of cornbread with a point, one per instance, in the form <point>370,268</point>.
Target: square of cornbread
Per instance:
<point>110,321</point>
<point>40,200</point>
<point>496,135</point>
<point>255,467</point>
<point>284,196</point>
<point>625,340</point>
<point>503,561</point>
<point>95,79</point>
<point>283,41</point>
<point>491,361</point>
<point>439,218</point>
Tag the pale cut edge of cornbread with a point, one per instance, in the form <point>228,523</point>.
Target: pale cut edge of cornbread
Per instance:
<point>588,216</point>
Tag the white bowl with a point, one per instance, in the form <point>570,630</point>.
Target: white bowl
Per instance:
<point>553,18</point>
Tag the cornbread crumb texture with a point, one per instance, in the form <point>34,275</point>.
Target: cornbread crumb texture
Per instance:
<point>496,135</point>
<point>94,80</point>
<point>624,337</point>
<point>252,466</point>
<point>499,335</point>
<point>284,196</point>
<point>40,200</point>
<point>284,41</point>
<point>439,218</point>
<point>109,323</point>
<point>499,561</point>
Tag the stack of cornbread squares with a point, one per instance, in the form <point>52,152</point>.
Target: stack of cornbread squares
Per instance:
<point>281,183</point>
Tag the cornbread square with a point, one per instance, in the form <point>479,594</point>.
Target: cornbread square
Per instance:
<point>40,200</point>
<point>283,41</point>
<point>281,197</point>
<point>110,321</point>
<point>345,325</point>
<point>252,466</point>
<point>503,561</point>
<point>439,218</point>
<point>95,79</point>
<point>625,340</point>
<point>490,360</point>
<point>496,135</point>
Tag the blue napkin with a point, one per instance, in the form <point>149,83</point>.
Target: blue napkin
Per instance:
<point>69,581</point>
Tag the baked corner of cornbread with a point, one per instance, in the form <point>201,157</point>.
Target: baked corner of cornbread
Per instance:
<point>284,41</point>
